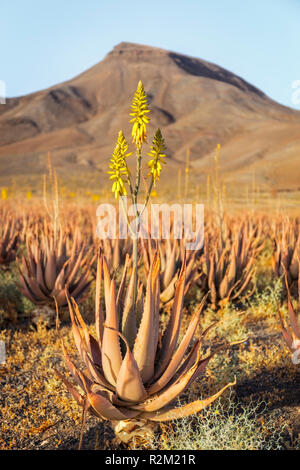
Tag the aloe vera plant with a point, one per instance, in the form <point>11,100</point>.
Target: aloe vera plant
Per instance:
<point>172,254</point>
<point>133,372</point>
<point>51,265</point>
<point>228,272</point>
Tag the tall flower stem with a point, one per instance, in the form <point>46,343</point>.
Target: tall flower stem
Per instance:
<point>135,241</point>
<point>120,173</point>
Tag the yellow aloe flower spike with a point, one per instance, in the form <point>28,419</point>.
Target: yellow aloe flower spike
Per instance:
<point>139,110</point>
<point>157,155</point>
<point>119,168</point>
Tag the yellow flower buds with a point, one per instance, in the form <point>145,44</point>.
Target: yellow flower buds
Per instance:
<point>157,155</point>
<point>139,110</point>
<point>119,167</point>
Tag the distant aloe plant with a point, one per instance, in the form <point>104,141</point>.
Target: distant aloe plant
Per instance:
<point>50,266</point>
<point>52,262</point>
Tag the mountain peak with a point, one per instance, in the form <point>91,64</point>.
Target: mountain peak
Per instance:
<point>130,45</point>
<point>194,66</point>
<point>134,50</point>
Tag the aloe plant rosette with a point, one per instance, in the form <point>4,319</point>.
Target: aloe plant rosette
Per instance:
<point>132,373</point>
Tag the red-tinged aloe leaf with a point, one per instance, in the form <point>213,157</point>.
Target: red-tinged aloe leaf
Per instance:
<point>169,413</point>
<point>128,315</point>
<point>88,259</point>
<point>110,395</point>
<point>82,284</point>
<point>27,294</point>
<point>72,275</point>
<point>25,288</point>
<point>139,304</point>
<point>107,283</point>
<point>150,250</point>
<point>81,323</point>
<point>61,298</point>
<point>232,271</point>
<point>121,291</point>
<point>143,350</point>
<point>223,288</point>
<point>50,271</point>
<point>83,293</point>
<point>145,257</point>
<point>61,277</point>
<point>99,316</point>
<point>76,242</point>
<point>293,318</point>
<point>299,275</point>
<point>220,263</point>
<point>6,234</point>
<point>292,314</point>
<point>94,350</point>
<point>83,421</point>
<point>38,293</point>
<point>105,409</point>
<point>129,384</point>
<point>232,288</point>
<point>192,355</point>
<point>116,254</point>
<point>91,345</point>
<point>30,263</point>
<point>71,366</point>
<point>70,266</point>
<point>61,249</point>
<point>111,351</point>
<point>156,302</point>
<point>168,293</point>
<point>170,267</point>
<point>285,333</point>
<point>179,354</point>
<point>170,337</point>
<point>189,268</point>
<point>245,284</point>
<point>40,275</point>
<point>75,394</point>
<point>170,392</point>
<point>76,330</point>
<point>95,373</point>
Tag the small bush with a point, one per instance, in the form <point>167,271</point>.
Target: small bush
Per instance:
<point>226,425</point>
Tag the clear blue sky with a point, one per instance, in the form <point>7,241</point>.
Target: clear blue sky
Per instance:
<point>46,42</point>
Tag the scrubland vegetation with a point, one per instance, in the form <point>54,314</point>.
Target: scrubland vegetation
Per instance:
<point>131,343</point>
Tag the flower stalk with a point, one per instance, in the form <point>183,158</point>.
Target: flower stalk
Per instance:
<point>120,173</point>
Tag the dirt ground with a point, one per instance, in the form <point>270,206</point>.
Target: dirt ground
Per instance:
<point>38,413</point>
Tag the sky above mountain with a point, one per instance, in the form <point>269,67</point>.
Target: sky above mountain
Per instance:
<point>44,43</point>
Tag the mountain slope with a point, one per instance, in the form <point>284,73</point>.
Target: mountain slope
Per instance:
<point>196,104</point>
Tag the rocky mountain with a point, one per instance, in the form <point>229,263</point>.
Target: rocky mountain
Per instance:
<point>196,104</point>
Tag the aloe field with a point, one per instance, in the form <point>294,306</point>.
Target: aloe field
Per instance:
<point>161,341</point>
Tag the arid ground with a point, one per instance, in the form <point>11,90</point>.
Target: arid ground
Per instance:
<point>262,411</point>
